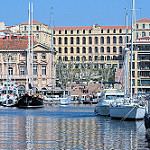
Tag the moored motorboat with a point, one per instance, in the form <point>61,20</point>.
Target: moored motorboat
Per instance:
<point>30,101</point>
<point>108,97</point>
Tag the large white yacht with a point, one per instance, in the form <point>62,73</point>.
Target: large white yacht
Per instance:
<point>108,97</point>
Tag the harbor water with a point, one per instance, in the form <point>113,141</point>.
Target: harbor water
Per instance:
<point>71,127</point>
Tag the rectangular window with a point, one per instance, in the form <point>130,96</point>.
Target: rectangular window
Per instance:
<point>43,56</point>
<point>34,56</point>
<point>35,70</point>
<point>22,70</point>
<point>43,70</point>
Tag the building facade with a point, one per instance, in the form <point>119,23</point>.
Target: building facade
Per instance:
<point>96,46</point>
<point>13,63</point>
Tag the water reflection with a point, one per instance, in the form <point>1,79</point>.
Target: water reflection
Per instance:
<point>70,127</point>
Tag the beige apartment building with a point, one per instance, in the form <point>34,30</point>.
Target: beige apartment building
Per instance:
<point>13,63</point>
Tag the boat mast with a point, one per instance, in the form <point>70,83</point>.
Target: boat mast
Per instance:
<point>52,51</point>
<point>32,43</point>
<point>131,57</point>
<point>28,56</point>
<point>126,59</point>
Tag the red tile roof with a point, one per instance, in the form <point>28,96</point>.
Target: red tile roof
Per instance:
<point>90,27</point>
<point>143,20</point>
<point>34,22</point>
<point>73,28</point>
<point>14,44</point>
<point>114,27</point>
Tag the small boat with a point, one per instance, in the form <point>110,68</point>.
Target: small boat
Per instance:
<point>108,97</point>
<point>64,101</point>
<point>30,101</point>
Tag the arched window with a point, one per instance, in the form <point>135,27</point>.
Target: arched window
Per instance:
<point>66,40</point>
<point>96,58</point>
<point>108,40</point>
<point>108,30</point>
<point>108,57</point>
<point>83,50</point>
<point>77,58</point>
<point>114,49</point>
<point>90,58</point>
<point>37,28</point>
<point>102,58</point>
<point>78,40</point>
<point>108,49</point>
<point>96,49</point>
<point>114,40</point>
<point>102,31</point>
<point>102,40</point>
<point>90,50</point>
<point>114,58</point>
<point>71,31</point>
<point>90,40</point>
<point>71,51</point>
<point>71,41</point>
<point>143,34</point>
<point>66,58</point>
<point>114,31</point>
<point>83,40</point>
<point>83,58</point>
<point>60,58</point>
<point>59,40</point>
<point>102,49</point>
<point>71,58</point>
<point>60,50</point>
<point>96,40</point>
<point>120,31</point>
<point>120,39</point>
<point>66,50</point>
<point>127,39</point>
<point>120,50</point>
<point>78,50</point>
<point>54,40</point>
<point>59,31</point>
<point>65,31</point>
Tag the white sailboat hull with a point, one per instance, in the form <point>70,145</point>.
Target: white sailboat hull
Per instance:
<point>127,112</point>
<point>102,110</point>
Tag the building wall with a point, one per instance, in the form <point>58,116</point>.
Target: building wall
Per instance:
<point>17,59</point>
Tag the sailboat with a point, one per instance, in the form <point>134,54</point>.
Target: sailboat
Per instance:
<point>29,100</point>
<point>130,108</point>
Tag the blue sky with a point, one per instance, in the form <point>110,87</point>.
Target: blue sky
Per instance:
<point>72,12</point>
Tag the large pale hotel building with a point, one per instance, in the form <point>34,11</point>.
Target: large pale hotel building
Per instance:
<point>101,46</point>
